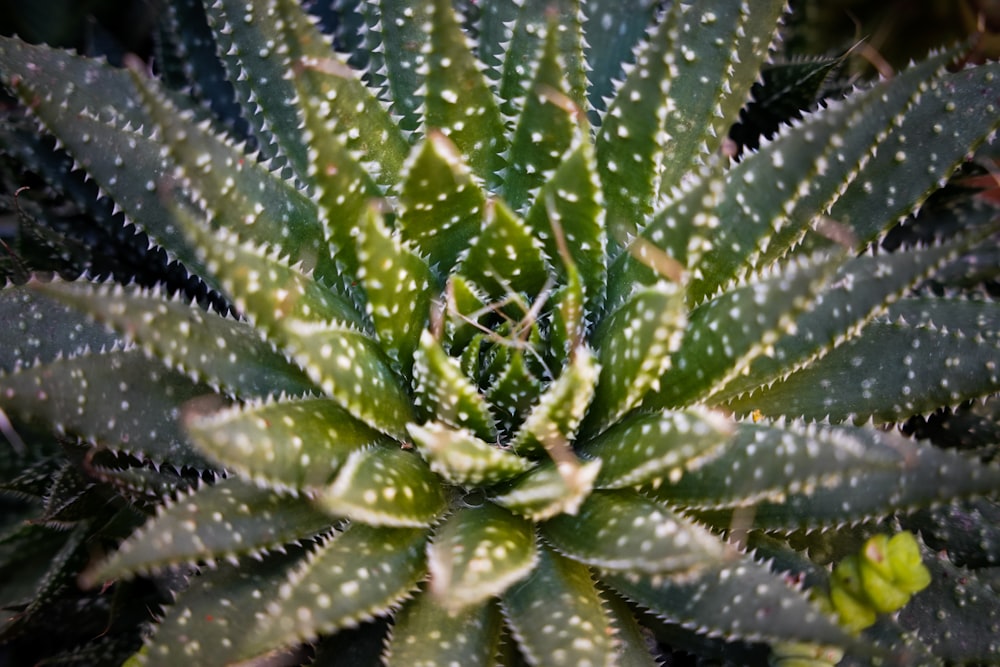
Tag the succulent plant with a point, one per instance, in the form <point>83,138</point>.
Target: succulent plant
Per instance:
<point>515,354</point>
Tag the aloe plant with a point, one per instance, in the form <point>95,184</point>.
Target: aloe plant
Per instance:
<point>515,355</point>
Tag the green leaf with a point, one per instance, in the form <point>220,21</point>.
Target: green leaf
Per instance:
<point>820,154</point>
<point>505,258</point>
<point>211,348</point>
<point>117,399</point>
<point>45,329</point>
<point>892,371</point>
<point>441,205</point>
<point>568,216</point>
<point>520,33</point>
<point>478,553</point>
<point>955,113</point>
<point>427,634</point>
<point>312,324</point>
<point>261,282</point>
<point>513,392</point>
<point>658,447</point>
<point>613,30</point>
<point>635,345</point>
<point>893,474</point>
<point>335,101</point>
<point>860,289</point>
<point>458,102</point>
<point>40,73</point>
<point>466,313</point>
<point>462,458</point>
<point>631,137</point>
<point>552,424</point>
<point>361,573</point>
<point>221,521</point>
<point>624,531</point>
<point>443,391</point>
<point>546,123</point>
<point>208,623</point>
<point>285,444</point>
<point>558,617</point>
<point>549,489</point>
<point>724,336</point>
<point>715,602</point>
<point>675,238</point>
<point>104,134</point>
<point>399,287</point>
<point>396,30</point>
<point>772,462</point>
<point>384,485</point>
<point>234,190</point>
<point>723,43</point>
<point>351,368</point>
<point>248,41</point>
<point>665,119</point>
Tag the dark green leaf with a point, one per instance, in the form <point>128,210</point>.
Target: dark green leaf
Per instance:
<point>384,485</point>
<point>558,617</point>
<point>624,531</point>
<point>425,633</point>
<point>361,573</point>
<point>222,521</point>
<point>477,553</point>
<point>286,444</point>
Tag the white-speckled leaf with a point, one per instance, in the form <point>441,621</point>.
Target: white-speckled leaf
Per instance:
<point>118,399</point>
<point>477,553</point>
<point>738,598</point>
<point>505,257</point>
<point>622,530</point>
<point>444,393</point>
<point>207,624</point>
<point>361,573</point>
<point>426,634</point>
<point>285,443</point>
<point>185,337</point>
<point>546,120</point>
<point>891,474</point>
<point>225,520</point>
<point>45,328</point>
<point>458,102</point>
<point>551,426</point>
<point>399,287</point>
<point>558,616</point>
<point>462,458</point>
<point>353,369</point>
<point>658,447</point>
<point>384,485</point>
<point>893,370</point>
<point>762,461</point>
<point>634,347</point>
<point>723,336</point>
<point>549,489</point>
<point>441,206</point>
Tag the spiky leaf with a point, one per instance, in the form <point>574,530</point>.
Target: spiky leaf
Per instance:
<point>477,553</point>
<point>462,458</point>
<point>291,444</point>
<point>427,634</point>
<point>384,485</point>
<point>327,594</point>
<point>227,519</point>
<point>567,632</point>
<point>623,531</point>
